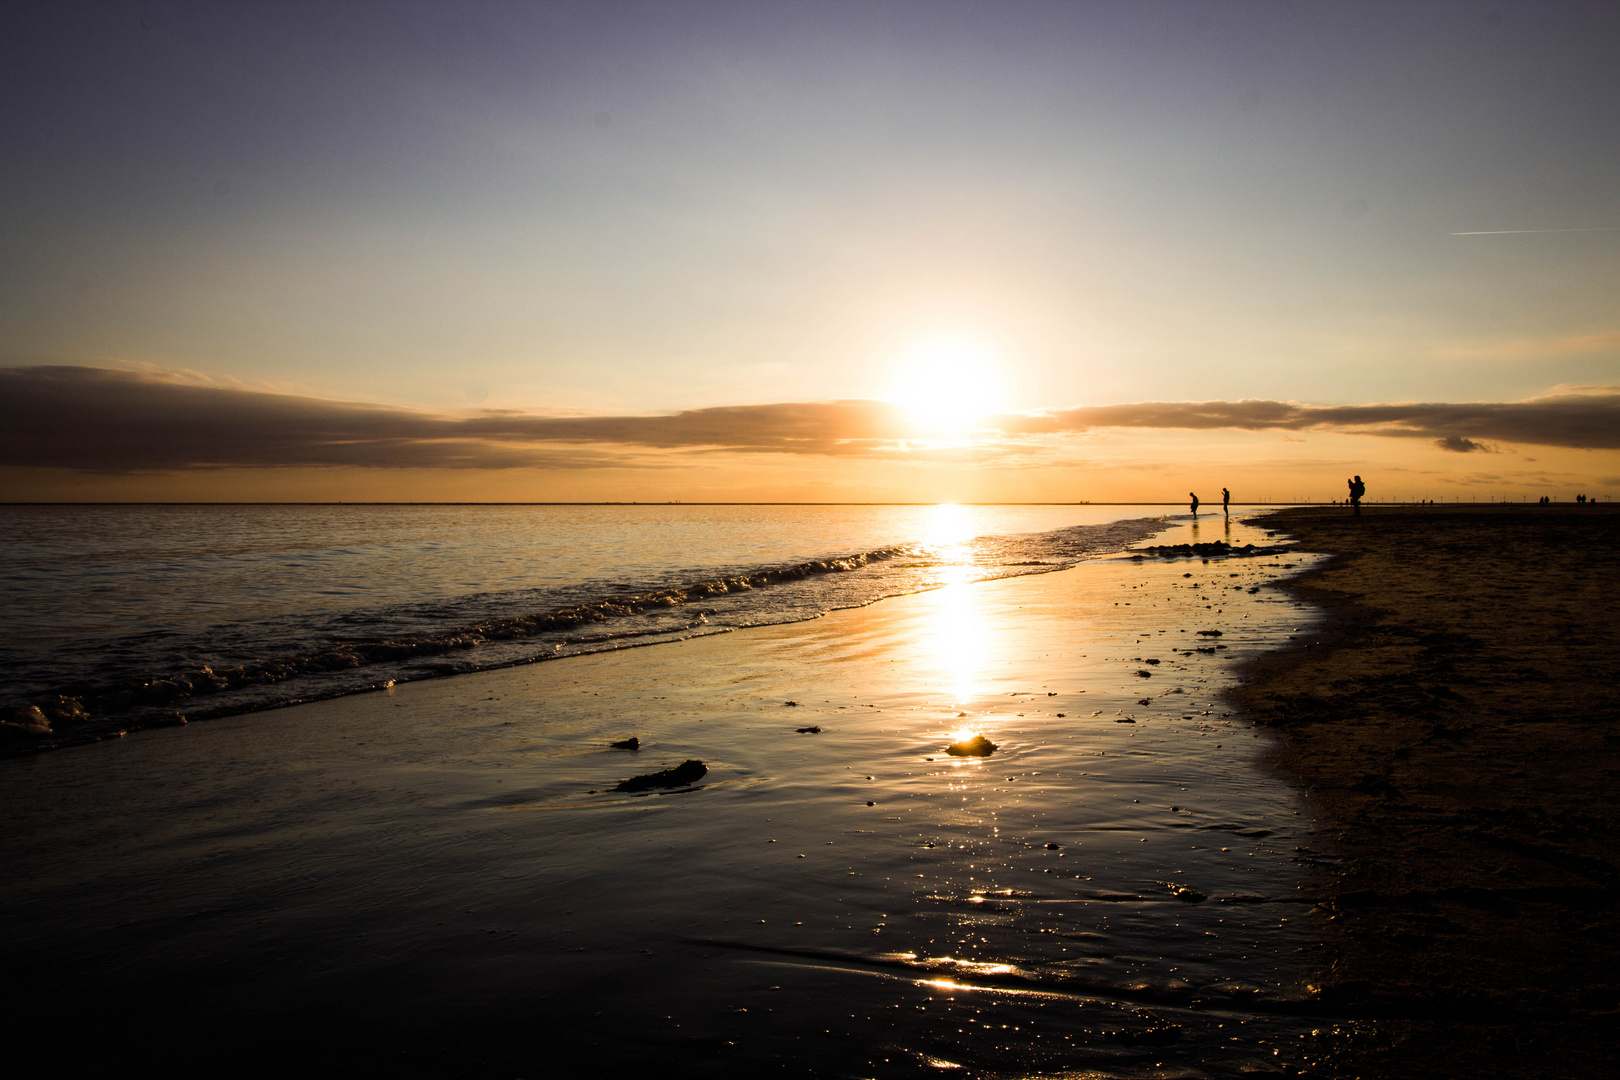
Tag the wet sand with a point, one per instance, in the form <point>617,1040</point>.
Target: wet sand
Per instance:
<point>443,880</point>
<point>1455,729</point>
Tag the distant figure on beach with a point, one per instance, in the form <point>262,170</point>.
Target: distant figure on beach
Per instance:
<point>1194,503</point>
<point>1226,502</point>
<point>1357,490</point>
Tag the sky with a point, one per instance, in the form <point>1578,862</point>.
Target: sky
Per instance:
<point>808,251</point>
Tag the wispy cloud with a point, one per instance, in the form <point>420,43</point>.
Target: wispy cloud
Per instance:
<point>1537,348</point>
<point>1459,445</point>
<point>1586,420</point>
<point>104,420</point>
<point>1521,232</point>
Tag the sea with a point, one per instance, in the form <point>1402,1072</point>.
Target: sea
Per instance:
<point>115,617</point>
<point>456,876</point>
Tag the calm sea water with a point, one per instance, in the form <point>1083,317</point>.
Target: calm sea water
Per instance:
<point>139,613</point>
<point>1119,891</point>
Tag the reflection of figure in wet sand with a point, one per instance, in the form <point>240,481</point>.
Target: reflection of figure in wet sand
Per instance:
<point>1357,490</point>
<point>1226,502</point>
<point>1194,503</point>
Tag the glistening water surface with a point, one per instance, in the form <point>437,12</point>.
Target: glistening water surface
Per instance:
<point>132,615</point>
<point>445,870</point>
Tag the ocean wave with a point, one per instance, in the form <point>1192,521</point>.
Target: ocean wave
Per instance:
<point>113,701</point>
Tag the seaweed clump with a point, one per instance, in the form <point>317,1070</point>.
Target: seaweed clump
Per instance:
<point>687,772</point>
<point>978,746</point>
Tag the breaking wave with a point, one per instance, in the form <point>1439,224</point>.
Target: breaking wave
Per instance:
<point>319,654</point>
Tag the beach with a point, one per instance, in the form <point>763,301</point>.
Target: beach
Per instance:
<point>1453,728</point>
<point>441,878</point>
<point>1339,806</point>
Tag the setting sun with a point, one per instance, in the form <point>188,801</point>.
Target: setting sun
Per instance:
<point>949,381</point>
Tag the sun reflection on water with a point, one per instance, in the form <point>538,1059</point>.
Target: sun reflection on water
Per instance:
<point>957,643</point>
<point>949,526</point>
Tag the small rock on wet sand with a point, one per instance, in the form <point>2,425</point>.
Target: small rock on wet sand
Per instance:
<point>632,743</point>
<point>978,746</point>
<point>687,772</point>
<point>811,730</point>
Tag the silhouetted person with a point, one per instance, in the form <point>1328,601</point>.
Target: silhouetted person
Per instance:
<point>1226,502</point>
<point>1357,490</point>
<point>1194,503</point>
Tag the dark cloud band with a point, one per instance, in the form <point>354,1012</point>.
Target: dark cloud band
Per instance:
<point>1586,421</point>
<point>106,420</point>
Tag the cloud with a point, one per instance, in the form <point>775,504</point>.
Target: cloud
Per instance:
<point>1524,232</point>
<point>1537,348</point>
<point>117,421</point>
<point>1585,420</point>
<point>105,420</point>
<point>1458,444</point>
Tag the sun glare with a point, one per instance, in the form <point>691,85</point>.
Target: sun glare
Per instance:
<point>946,383</point>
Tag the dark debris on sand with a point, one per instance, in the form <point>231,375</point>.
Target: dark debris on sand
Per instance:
<point>1456,726</point>
<point>685,774</point>
<point>978,746</point>
<point>1216,549</point>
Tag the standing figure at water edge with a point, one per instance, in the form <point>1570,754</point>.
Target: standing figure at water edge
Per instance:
<point>1357,490</point>
<point>1194,503</point>
<point>1226,502</point>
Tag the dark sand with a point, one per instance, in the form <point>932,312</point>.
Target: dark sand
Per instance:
<point>1455,728</point>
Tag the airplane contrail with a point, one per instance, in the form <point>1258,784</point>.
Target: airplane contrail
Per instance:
<point>1509,232</point>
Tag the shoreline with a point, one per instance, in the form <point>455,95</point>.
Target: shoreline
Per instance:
<point>295,644</point>
<point>1452,724</point>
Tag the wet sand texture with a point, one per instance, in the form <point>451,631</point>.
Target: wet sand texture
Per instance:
<point>1457,729</point>
<point>438,880</point>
